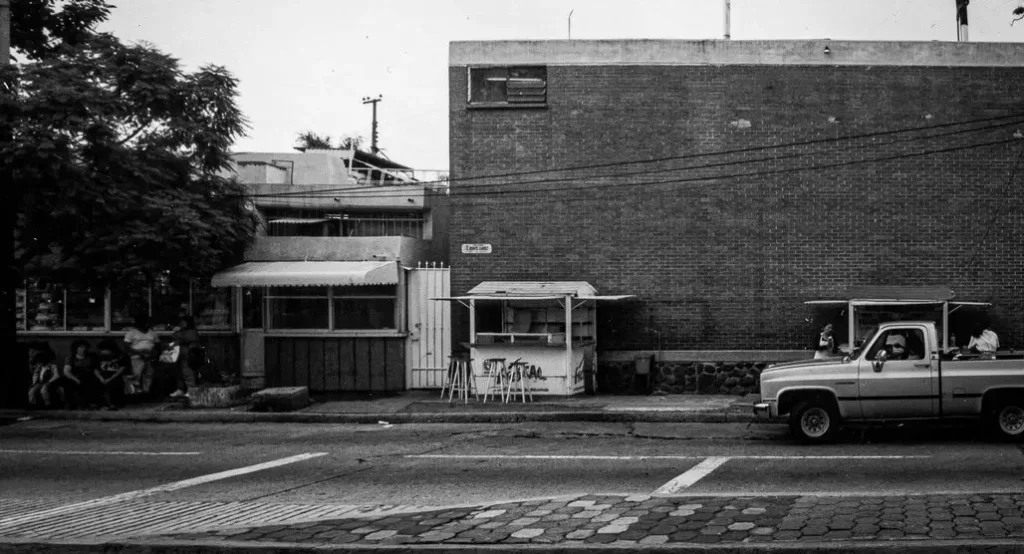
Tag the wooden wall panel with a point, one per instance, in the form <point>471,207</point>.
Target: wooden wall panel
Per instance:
<point>395,366</point>
<point>378,364</point>
<point>301,364</point>
<point>362,363</point>
<point>347,359</point>
<point>332,366</point>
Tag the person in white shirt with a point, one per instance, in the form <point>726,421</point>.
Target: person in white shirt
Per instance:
<point>826,344</point>
<point>141,342</point>
<point>984,341</point>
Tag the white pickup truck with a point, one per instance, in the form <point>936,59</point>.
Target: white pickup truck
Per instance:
<point>875,384</point>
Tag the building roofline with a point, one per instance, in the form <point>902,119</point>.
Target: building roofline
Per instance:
<point>737,52</point>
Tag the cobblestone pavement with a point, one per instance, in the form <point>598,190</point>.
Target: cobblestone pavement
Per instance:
<point>645,520</point>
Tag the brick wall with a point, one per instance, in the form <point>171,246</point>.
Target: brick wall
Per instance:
<point>726,263</point>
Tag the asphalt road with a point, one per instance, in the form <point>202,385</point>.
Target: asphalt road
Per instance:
<point>55,463</point>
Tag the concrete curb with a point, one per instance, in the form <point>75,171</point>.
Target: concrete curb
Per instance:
<point>16,546</point>
<point>209,416</point>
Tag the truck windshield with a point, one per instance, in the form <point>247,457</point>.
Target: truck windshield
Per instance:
<point>861,343</point>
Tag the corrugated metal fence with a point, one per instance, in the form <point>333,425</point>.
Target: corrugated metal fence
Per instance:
<point>430,333</point>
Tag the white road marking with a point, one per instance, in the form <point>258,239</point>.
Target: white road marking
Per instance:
<point>626,458</point>
<point>97,453</point>
<point>692,475</point>
<point>132,495</point>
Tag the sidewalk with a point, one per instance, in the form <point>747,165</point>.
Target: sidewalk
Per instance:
<point>428,407</point>
<point>990,523</point>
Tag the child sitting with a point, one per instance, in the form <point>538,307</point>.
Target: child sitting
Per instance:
<point>110,374</point>
<point>45,377</point>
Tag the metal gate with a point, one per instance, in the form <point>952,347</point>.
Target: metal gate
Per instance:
<point>430,332</point>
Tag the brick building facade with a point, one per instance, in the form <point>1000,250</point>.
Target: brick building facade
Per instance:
<point>775,172</point>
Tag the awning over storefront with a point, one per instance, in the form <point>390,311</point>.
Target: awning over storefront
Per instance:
<point>303,274</point>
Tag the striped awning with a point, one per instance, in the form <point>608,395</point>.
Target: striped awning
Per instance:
<point>307,274</point>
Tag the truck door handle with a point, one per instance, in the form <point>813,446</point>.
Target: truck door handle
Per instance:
<point>922,365</point>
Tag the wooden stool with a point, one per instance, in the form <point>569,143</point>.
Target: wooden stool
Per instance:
<point>518,374</point>
<point>459,379</point>
<point>496,373</point>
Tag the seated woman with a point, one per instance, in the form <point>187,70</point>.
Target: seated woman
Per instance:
<point>78,380</point>
<point>110,374</point>
<point>45,377</point>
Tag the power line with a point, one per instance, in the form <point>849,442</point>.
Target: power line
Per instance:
<point>369,191</point>
<point>737,175</point>
<point>995,215</point>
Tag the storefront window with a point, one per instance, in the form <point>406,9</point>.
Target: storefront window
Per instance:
<point>86,309</point>
<point>211,307</point>
<point>252,307</point>
<point>369,307</point>
<point>298,308</point>
<point>45,307</point>
<point>170,302</point>
<point>126,304</point>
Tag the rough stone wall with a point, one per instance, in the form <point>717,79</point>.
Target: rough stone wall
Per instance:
<point>738,378</point>
<point>723,250</point>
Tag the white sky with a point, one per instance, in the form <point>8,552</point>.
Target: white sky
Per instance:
<point>307,64</point>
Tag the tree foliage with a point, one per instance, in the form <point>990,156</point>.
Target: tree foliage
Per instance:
<point>120,160</point>
<point>308,140</point>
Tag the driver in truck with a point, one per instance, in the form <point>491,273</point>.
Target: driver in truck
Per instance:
<point>896,344</point>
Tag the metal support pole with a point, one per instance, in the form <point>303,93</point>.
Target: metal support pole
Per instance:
<point>373,131</point>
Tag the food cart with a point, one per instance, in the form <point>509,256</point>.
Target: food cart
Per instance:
<point>550,327</point>
<point>861,300</point>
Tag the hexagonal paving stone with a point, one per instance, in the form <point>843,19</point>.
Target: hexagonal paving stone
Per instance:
<point>580,534</point>
<point>746,526</point>
<point>654,539</point>
<point>528,533</point>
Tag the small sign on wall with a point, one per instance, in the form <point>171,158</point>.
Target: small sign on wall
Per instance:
<point>476,248</point>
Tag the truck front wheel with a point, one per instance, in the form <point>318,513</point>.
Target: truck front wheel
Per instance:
<point>1009,419</point>
<point>814,420</point>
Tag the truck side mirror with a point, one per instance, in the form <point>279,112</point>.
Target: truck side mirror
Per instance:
<point>880,357</point>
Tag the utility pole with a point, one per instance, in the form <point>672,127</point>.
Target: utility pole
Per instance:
<point>373,133</point>
<point>5,32</point>
<point>728,23</point>
<point>961,20</point>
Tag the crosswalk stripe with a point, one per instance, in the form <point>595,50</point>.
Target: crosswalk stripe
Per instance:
<point>692,475</point>
<point>169,487</point>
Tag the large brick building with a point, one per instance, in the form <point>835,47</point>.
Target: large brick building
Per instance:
<point>775,172</point>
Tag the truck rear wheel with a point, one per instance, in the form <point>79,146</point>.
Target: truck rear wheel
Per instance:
<point>1008,419</point>
<point>814,420</point>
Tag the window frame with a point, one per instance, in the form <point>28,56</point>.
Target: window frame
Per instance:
<point>506,103</point>
<point>23,294</point>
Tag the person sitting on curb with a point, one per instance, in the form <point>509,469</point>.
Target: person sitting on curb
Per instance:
<point>45,377</point>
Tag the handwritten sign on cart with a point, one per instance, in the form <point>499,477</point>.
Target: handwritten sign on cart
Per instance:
<point>476,248</point>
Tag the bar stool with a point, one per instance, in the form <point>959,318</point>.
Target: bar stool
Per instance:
<point>518,373</point>
<point>495,373</point>
<point>459,379</point>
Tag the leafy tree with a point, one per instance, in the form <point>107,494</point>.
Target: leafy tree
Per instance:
<point>115,160</point>
<point>308,140</point>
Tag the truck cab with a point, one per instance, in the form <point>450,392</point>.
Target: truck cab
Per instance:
<point>899,373</point>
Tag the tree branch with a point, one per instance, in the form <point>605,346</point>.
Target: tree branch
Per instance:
<point>137,131</point>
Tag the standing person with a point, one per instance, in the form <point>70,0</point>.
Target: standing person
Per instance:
<point>826,344</point>
<point>984,341</point>
<point>45,376</point>
<point>78,380</point>
<point>186,337</point>
<point>141,342</point>
<point>110,373</point>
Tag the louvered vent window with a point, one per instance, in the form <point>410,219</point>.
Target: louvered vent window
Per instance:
<point>508,86</point>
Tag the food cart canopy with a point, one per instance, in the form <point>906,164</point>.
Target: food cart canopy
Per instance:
<point>306,274</point>
<point>534,290</point>
<point>872,295</point>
